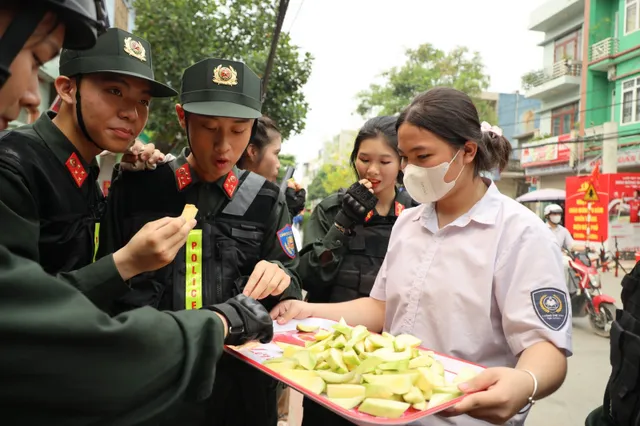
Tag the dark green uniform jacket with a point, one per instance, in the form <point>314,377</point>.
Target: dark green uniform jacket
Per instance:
<point>242,219</point>
<point>356,258</point>
<point>51,204</point>
<point>66,363</point>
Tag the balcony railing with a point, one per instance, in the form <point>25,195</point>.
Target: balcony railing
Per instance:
<point>565,67</point>
<point>603,49</point>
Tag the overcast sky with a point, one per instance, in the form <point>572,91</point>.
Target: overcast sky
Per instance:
<point>353,41</point>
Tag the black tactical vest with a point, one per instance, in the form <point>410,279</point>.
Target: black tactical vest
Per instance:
<point>622,399</point>
<point>365,253</point>
<point>69,217</point>
<point>221,252</point>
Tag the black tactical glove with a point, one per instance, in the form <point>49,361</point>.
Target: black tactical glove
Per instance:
<point>248,320</point>
<point>356,204</point>
<point>295,201</point>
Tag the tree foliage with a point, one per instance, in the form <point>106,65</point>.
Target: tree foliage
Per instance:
<point>182,32</point>
<point>316,190</point>
<point>428,67</point>
<point>286,160</point>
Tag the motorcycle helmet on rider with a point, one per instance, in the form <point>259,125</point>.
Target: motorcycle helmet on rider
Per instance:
<point>84,20</point>
<point>553,213</point>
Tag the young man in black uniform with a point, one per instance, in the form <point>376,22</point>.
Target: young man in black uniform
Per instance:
<point>243,243</point>
<point>85,368</point>
<point>49,171</point>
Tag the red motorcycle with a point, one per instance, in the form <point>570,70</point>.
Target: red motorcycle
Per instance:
<point>586,295</point>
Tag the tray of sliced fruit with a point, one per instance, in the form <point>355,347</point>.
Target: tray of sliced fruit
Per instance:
<point>367,378</point>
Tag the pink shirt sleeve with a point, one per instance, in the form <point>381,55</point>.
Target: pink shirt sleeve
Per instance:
<point>531,292</point>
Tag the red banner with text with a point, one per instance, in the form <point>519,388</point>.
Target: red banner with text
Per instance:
<point>586,208</point>
<point>605,209</point>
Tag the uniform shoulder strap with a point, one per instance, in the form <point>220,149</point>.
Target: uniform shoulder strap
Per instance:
<point>249,187</point>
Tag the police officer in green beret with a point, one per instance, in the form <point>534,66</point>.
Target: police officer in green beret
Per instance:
<point>243,243</point>
<point>63,361</point>
<point>53,219</point>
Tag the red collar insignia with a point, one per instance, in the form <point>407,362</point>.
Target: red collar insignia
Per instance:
<point>369,216</point>
<point>78,173</point>
<point>230,184</point>
<point>399,208</point>
<point>183,176</point>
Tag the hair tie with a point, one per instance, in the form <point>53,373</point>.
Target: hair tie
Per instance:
<point>486,127</point>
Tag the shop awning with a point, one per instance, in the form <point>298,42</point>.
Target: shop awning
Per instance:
<point>547,194</point>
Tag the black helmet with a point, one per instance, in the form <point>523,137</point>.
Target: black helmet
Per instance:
<point>84,21</point>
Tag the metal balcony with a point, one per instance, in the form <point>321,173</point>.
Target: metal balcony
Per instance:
<point>603,49</point>
<point>561,77</point>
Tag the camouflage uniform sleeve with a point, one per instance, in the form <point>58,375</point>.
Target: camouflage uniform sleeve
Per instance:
<point>322,236</point>
<point>279,247</point>
<point>64,350</point>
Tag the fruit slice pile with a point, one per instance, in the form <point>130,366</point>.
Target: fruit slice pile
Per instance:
<point>382,375</point>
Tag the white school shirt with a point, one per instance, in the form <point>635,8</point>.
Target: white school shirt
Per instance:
<point>483,288</point>
<point>562,236</point>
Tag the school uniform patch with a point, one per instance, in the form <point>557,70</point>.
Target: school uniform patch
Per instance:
<point>288,244</point>
<point>551,307</point>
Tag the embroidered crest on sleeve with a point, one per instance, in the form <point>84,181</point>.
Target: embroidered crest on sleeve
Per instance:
<point>550,305</point>
<point>288,244</point>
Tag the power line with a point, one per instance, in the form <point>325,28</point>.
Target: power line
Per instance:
<point>596,138</point>
<point>585,92</point>
<point>295,16</point>
<point>578,111</point>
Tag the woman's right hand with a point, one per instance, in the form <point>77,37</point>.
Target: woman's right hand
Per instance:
<point>291,309</point>
<point>357,202</point>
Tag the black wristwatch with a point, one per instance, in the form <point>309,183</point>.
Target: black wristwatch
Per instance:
<point>234,322</point>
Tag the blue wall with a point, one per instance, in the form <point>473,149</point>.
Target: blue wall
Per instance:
<point>515,122</point>
<point>517,115</point>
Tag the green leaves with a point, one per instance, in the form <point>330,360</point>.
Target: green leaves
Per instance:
<point>182,32</point>
<point>286,160</point>
<point>426,67</point>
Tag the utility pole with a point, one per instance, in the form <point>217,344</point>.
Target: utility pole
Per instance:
<point>282,11</point>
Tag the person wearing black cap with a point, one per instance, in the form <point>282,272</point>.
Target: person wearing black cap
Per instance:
<point>243,243</point>
<point>33,31</point>
<point>53,201</point>
<point>65,362</point>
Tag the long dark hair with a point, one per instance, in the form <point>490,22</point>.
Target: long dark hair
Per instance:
<point>451,115</point>
<point>383,126</point>
<point>260,138</point>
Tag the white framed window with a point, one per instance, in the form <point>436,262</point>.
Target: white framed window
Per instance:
<point>631,16</point>
<point>630,108</point>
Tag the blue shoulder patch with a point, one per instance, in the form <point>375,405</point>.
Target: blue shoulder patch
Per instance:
<point>288,244</point>
<point>551,307</point>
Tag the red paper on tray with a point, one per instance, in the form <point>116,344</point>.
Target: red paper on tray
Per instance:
<point>257,354</point>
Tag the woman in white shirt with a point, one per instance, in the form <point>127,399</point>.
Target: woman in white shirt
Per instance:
<point>471,272</point>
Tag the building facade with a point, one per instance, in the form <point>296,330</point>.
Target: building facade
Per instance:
<point>516,115</point>
<point>546,160</point>
<point>612,86</point>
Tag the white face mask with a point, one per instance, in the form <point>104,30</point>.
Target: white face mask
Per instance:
<point>555,218</point>
<point>427,184</point>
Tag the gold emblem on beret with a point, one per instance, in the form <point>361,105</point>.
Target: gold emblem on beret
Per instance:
<point>135,49</point>
<point>226,76</point>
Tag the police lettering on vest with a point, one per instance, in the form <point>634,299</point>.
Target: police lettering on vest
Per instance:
<point>224,247</point>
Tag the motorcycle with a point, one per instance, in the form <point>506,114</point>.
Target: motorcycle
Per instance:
<point>587,298</point>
